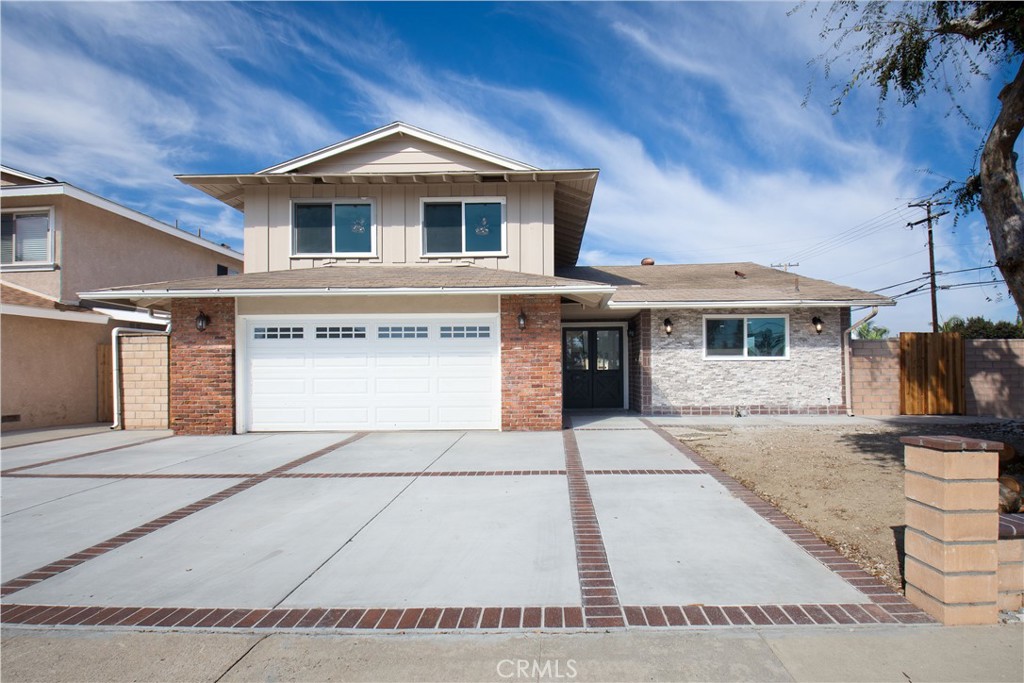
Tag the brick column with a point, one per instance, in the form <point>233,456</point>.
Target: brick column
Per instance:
<point>952,524</point>
<point>202,368</point>
<point>640,363</point>
<point>531,363</point>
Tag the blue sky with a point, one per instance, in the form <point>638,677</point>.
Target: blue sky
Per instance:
<point>694,112</point>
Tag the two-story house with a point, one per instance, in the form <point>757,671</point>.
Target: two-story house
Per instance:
<point>58,240</point>
<point>403,280</point>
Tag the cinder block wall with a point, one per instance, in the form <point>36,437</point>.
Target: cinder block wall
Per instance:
<point>875,373</point>
<point>995,377</point>
<point>1011,574</point>
<point>144,382</point>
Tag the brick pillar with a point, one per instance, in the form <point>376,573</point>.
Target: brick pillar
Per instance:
<point>640,363</point>
<point>202,368</point>
<point>952,527</point>
<point>531,363</point>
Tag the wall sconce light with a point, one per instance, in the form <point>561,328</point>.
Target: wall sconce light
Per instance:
<point>522,320</point>
<point>630,331</point>
<point>818,324</point>
<point>668,325</point>
<point>202,321</point>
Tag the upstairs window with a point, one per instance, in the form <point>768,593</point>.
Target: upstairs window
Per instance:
<point>457,226</point>
<point>26,237</point>
<point>750,336</point>
<point>344,228</point>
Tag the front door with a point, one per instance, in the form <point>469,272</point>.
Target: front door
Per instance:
<point>592,367</point>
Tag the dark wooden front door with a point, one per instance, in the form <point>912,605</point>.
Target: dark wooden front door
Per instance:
<point>592,367</point>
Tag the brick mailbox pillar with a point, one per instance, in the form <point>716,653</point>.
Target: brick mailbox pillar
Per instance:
<point>952,527</point>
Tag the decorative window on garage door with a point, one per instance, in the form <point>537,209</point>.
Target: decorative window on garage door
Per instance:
<point>465,331</point>
<point>277,333</point>
<point>402,332</point>
<point>341,332</point>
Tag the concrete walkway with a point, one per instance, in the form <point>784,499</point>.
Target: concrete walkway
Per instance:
<point>880,653</point>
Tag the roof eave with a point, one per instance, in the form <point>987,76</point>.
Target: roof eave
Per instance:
<point>338,291</point>
<point>799,303</point>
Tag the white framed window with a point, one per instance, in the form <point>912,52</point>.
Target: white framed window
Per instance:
<point>463,226</point>
<point>341,332</point>
<point>277,333</point>
<point>402,332</point>
<point>339,227</point>
<point>465,331</point>
<point>742,337</point>
<point>26,238</point>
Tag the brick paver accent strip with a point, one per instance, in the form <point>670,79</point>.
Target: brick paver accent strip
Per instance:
<point>62,565</point>
<point>80,455</point>
<point>894,604</point>
<point>597,587</point>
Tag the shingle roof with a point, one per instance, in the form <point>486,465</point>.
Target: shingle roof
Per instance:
<point>341,278</point>
<point>704,284</point>
<point>13,296</point>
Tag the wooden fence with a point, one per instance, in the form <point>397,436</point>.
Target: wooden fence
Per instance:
<point>931,373</point>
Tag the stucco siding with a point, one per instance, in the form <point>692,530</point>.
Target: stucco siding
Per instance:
<point>682,380</point>
<point>46,282</point>
<point>48,370</point>
<point>529,225</point>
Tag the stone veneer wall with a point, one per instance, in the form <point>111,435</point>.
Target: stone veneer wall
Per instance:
<point>531,363</point>
<point>144,381</point>
<point>202,367</point>
<point>810,381</point>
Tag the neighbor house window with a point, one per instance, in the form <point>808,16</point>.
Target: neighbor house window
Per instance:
<point>750,336</point>
<point>459,226</point>
<point>341,228</point>
<point>26,237</point>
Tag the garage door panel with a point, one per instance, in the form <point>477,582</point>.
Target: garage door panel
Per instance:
<point>414,378</point>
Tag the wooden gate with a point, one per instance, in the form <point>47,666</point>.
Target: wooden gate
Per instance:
<point>931,373</point>
<point>104,383</point>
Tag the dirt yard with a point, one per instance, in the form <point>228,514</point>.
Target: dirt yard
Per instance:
<point>843,483</point>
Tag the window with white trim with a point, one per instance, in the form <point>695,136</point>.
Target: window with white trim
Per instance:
<point>465,331</point>
<point>746,336</point>
<point>338,228</point>
<point>340,332</point>
<point>26,237</point>
<point>402,332</point>
<point>456,226</point>
<point>277,333</point>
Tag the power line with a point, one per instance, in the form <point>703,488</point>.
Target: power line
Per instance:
<point>883,221</point>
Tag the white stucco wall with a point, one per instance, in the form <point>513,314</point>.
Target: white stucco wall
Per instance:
<point>682,379</point>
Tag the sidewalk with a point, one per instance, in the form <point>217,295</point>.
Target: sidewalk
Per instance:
<point>883,653</point>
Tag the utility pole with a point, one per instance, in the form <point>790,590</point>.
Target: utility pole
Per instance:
<point>927,205</point>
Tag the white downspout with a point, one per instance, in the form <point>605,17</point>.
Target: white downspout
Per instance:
<point>115,336</point>
<point>847,362</point>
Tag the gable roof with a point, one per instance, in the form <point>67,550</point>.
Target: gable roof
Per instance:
<point>16,177</point>
<point>398,128</point>
<point>52,189</point>
<point>719,285</point>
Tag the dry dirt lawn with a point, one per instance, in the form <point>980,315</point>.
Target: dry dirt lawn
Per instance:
<point>843,483</point>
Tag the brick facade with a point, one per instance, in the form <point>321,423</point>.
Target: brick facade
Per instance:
<point>531,363</point>
<point>144,382</point>
<point>640,363</point>
<point>683,382</point>
<point>202,367</point>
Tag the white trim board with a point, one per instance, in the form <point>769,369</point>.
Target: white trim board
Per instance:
<point>64,316</point>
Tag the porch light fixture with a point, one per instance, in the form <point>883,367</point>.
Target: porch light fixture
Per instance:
<point>521,320</point>
<point>202,321</point>
<point>818,324</point>
<point>668,325</point>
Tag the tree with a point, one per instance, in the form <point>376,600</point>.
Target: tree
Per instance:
<point>914,47</point>
<point>977,327</point>
<point>868,330</point>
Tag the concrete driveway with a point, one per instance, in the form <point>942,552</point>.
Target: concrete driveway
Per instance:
<point>611,524</point>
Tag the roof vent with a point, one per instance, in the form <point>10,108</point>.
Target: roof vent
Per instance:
<point>647,262</point>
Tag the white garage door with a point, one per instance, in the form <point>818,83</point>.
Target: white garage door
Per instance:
<point>367,373</point>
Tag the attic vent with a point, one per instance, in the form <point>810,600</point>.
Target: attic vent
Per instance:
<point>492,178</point>
<point>10,418</point>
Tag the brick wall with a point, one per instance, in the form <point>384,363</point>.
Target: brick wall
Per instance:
<point>202,367</point>
<point>683,382</point>
<point>531,364</point>
<point>640,363</point>
<point>144,382</point>
<point>875,370</point>
<point>993,369</point>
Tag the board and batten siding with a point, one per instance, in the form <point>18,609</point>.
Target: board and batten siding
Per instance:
<point>529,219</point>
<point>400,155</point>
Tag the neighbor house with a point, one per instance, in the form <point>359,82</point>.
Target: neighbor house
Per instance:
<point>58,240</point>
<point>403,280</point>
